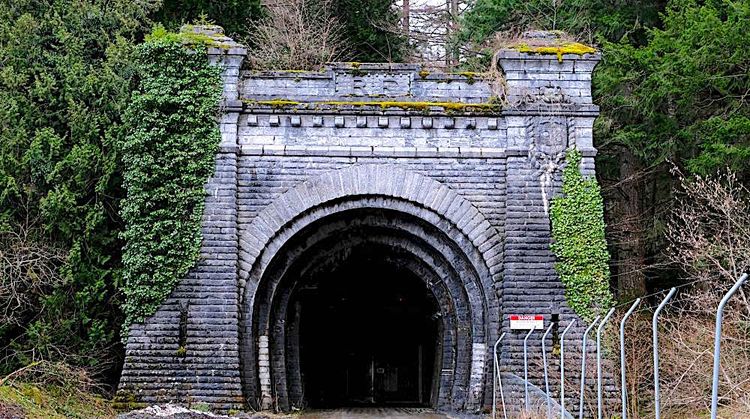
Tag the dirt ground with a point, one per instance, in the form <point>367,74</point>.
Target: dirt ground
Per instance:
<point>10,411</point>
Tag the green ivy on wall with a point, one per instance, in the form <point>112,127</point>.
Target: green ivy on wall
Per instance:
<point>578,241</point>
<point>168,156</point>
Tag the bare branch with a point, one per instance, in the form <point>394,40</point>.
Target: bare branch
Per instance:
<point>296,35</point>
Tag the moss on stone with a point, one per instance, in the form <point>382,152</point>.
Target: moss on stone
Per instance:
<point>125,401</point>
<point>470,76</point>
<point>405,105</point>
<point>275,103</point>
<point>408,105</point>
<point>563,48</point>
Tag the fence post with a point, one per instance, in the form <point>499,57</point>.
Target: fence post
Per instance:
<point>526,368</point>
<point>544,360</point>
<point>496,381</point>
<point>623,386</point>
<point>599,362</point>
<point>562,368</point>
<point>583,366</point>
<point>717,344</point>
<point>655,332</point>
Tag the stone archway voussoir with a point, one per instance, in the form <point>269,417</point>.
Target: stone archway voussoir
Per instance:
<point>470,224</point>
<point>437,199</point>
<point>404,186</point>
<point>476,233</point>
<point>446,203</point>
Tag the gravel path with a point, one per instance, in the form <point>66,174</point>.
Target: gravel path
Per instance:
<point>177,412</point>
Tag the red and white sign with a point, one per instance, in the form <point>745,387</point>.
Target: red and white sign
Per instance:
<point>526,321</point>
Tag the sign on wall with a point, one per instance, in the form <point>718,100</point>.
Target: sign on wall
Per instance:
<point>526,321</point>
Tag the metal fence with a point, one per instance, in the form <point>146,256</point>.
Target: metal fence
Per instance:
<point>582,374</point>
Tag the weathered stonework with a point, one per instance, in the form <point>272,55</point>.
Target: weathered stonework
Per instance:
<point>452,186</point>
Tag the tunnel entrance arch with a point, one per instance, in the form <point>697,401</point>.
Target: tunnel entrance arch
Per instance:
<point>368,333</point>
<point>417,277</point>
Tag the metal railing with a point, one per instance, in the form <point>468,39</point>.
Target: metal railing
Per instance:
<point>497,381</point>
<point>717,345</point>
<point>601,329</point>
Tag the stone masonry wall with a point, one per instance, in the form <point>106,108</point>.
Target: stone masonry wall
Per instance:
<point>280,129</point>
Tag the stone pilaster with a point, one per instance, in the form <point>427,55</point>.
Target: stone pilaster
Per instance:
<point>187,351</point>
<point>550,110</point>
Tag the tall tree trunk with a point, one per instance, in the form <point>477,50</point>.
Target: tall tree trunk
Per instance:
<point>405,21</point>
<point>451,54</point>
<point>631,257</point>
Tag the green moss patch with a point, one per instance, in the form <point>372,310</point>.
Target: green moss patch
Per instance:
<point>559,49</point>
<point>488,107</point>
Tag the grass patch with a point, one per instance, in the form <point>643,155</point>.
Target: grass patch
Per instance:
<point>54,402</point>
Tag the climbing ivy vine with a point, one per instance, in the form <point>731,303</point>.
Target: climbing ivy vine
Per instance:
<point>168,156</point>
<point>578,241</point>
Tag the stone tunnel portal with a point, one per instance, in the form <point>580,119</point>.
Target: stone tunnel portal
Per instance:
<point>339,192</point>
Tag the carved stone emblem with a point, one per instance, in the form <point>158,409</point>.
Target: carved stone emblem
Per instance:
<point>549,139</point>
<point>549,95</point>
<point>372,84</point>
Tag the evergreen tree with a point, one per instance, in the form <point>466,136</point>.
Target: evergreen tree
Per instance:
<point>371,30</point>
<point>590,21</point>
<point>64,71</point>
<point>683,95</point>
